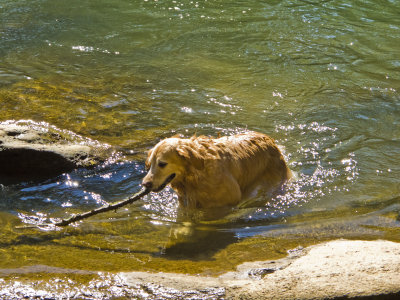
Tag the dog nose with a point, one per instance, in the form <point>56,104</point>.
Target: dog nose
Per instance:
<point>147,184</point>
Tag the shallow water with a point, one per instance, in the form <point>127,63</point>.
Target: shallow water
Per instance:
<point>320,77</point>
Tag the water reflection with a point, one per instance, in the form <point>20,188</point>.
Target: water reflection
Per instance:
<point>188,241</point>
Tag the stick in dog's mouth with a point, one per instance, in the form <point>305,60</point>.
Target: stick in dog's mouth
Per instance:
<point>168,180</point>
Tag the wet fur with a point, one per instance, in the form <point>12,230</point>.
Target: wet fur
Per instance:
<point>215,172</point>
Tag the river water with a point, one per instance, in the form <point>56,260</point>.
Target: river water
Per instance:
<point>321,77</point>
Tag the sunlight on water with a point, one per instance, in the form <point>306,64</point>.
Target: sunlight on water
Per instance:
<point>321,78</point>
<point>162,206</point>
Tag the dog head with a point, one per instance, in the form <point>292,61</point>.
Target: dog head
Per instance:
<point>169,161</point>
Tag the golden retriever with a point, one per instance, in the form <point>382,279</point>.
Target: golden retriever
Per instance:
<point>210,172</point>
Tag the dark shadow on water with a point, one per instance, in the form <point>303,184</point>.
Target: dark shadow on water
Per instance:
<point>197,244</point>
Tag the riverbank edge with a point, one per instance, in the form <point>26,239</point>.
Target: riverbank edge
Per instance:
<point>339,269</point>
<point>331,270</point>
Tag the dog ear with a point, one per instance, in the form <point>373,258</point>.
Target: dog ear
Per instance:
<point>148,161</point>
<point>191,155</point>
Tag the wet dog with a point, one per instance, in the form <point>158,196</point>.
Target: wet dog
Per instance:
<point>210,172</point>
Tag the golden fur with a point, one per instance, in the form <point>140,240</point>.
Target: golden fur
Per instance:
<point>214,172</point>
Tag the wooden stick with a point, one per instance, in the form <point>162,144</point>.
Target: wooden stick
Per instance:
<point>107,207</point>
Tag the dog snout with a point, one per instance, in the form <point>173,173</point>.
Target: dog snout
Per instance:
<point>147,184</point>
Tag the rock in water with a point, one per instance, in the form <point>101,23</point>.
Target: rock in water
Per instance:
<point>30,150</point>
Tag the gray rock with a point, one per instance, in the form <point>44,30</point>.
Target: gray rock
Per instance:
<point>31,150</point>
<point>333,270</point>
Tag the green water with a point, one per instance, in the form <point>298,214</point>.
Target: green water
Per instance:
<point>321,77</point>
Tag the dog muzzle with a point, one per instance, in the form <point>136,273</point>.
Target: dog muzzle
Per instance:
<point>165,183</point>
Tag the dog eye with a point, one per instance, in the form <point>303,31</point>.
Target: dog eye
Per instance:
<point>162,164</point>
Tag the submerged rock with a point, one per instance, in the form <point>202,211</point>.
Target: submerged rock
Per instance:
<point>31,150</point>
